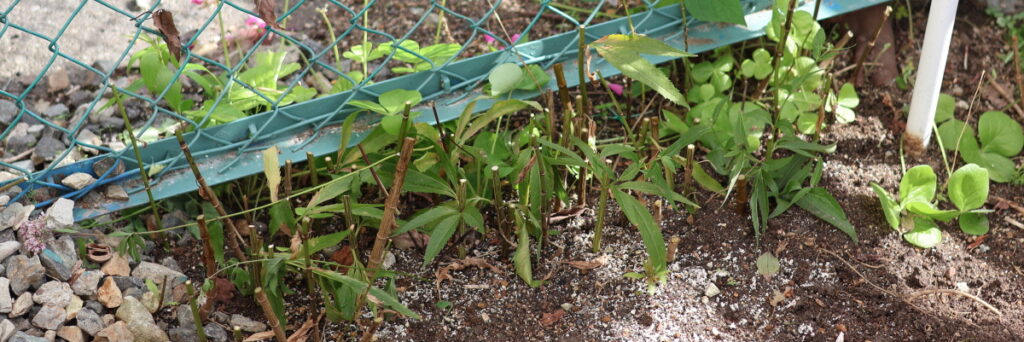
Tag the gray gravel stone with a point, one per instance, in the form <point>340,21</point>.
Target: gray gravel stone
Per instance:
<point>22,304</point>
<point>54,293</point>
<point>8,248</point>
<point>50,317</point>
<point>24,272</point>
<point>6,302</point>
<point>87,283</point>
<point>23,337</point>
<point>89,321</point>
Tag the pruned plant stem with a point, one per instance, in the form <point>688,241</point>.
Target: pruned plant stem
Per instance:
<point>499,208</point>
<point>581,64</point>
<point>287,178</point>
<point>311,164</point>
<point>237,332</point>
<point>871,45</point>
<point>741,194</point>
<point>208,194</point>
<point>209,262</point>
<point>387,221</point>
<point>1017,71</point>
<point>268,311</point>
<point>673,246</point>
<point>196,319</point>
<point>138,159</point>
<point>688,173</point>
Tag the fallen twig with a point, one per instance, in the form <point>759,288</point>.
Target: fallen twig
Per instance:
<point>957,292</point>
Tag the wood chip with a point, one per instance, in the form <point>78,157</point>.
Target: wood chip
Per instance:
<point>444,273</point>
<point>589,265</point>
<point>549,318</point>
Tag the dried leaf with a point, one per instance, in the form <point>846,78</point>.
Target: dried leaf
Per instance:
<point>164,22</point>
<point>223,291</point>
<point>589,265</point>
<point>343,256</point>
<point>303,333</point>
<point>777,297</point>
<point>272,169</point>
<point>444,273</point>
<point>260,336</point>
<point>566,214</point>
<point>267,10</point>
<point>296,245</point>
<point>977,242</point>
<point>548,319</point>
<point>410,239</point>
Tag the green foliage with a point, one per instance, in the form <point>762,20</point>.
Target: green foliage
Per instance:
<point>509,77</point>
<point>726,11</point>
<point>915,211</point>
<point>999,139</point>
<point>623,51</point>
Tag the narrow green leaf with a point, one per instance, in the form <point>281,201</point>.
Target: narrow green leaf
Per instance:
<point>360,286</point>
<point>440,236</point>
<point>821,204</point>
<point>889,207</point>
<point>650,233</point>
<point>426,217</point>
<point>521,259</point>
<point>623,51</point>
<point>928,210</point>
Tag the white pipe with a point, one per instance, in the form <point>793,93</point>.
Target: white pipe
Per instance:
<point>931,66</point>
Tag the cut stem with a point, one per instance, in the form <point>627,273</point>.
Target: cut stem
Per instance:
<point>387,221</point>
<point>268,311</point>
<point>196,319</point>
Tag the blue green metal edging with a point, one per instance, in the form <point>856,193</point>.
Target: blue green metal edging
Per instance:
<point>318,118</point>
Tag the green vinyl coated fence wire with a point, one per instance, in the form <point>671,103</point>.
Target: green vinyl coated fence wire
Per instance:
<point>226,152</point>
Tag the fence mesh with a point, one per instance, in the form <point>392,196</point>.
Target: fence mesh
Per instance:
<point>91,43</point>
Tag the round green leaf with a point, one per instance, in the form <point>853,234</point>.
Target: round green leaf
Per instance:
<point>1000,169</point>
<point>925,234</point>
<point>968,187</point>
<point>747,68</point>
<point>504,78</point>
<point>767,264</point>
<point>974,223</point>
<point>394,101</point>
<point>848,96</point>
<point>1001,134</point>
<point>956,135</point>
<point>918,185</point>
<point>945,108</point>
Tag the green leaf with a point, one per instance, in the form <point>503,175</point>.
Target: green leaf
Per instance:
<point>440,236</point>
<point>360,286</point>
<point>928,210</point>
<point>926,234</point>
<point>426,217</point>
<point>974,224</point>
<point>1000,169</point>
<point>152,286</point>
<point>724,11</point>
<point>917,185</point>
<point>848,100</point>
<point>956,135</point>
<point>472,217</point>
<point>889,207</point>
<point>650,233</point>
<point>416,181</point>
<point>319,243</point>
<point>945,108</point>
<point>968,187</point>
<point>821,204</point>
<point>272,171</point>
<point>623,51</point>
<point>1000,134</point>
<point>533,78</point>
<point>216,230</point>
<point>281,215</point>
<point>705,180</point>
<point>767,264</point>
<point>504,78</point>
<point>394,101</point>
<point>521,259</point>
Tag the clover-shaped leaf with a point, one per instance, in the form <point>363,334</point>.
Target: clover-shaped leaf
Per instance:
<point>363,54</point>
<point>759,66</point>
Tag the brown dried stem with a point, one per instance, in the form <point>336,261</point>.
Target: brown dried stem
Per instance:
<point>268,311</point>
<point>387,222</point>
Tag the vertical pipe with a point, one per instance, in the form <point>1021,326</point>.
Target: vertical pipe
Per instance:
<point>937,36</point>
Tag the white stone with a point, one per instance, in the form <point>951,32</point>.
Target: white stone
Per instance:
<point>78,180</point>
<point>61,214</point>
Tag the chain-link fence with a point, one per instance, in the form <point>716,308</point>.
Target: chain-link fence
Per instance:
<point>104,43</point>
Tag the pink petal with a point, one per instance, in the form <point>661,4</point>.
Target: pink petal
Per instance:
<point>197,2</point>
<point>515,37</point>
<point>616,88</point>
<point>488,39</point>
<point>254,21</point>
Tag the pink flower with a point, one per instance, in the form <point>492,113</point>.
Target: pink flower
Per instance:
<point>33,233</point>
<point>616,88</point>
<point>255,21</point>
<point>197,2</point>
<point>488,39</point>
